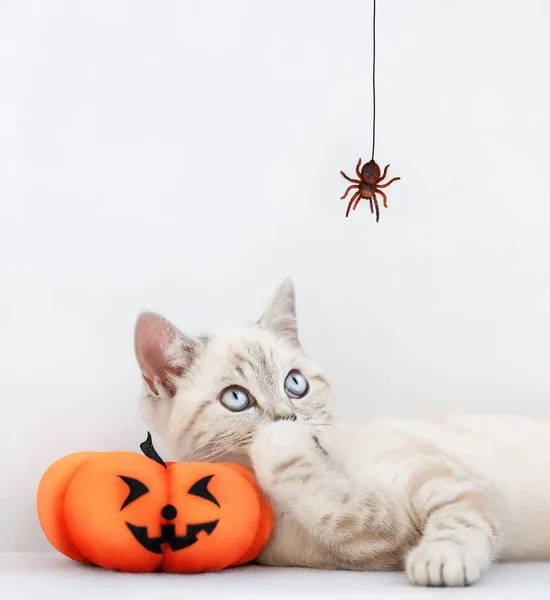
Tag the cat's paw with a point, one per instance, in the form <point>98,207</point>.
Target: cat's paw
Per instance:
<point>279,447</point>
<point>443,563</point>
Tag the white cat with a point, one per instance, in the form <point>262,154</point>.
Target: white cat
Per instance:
<point>442,498</point>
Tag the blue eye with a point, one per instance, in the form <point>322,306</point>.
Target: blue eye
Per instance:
<point>235,399</point>
<point>296,385</point>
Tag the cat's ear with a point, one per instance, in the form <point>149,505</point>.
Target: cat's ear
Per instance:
<point>280,317</point>
<point>163,352</point>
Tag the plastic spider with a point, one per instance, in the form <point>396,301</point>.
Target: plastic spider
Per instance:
<point>368,185</point>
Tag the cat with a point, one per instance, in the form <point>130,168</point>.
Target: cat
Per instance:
<point>440,498</point>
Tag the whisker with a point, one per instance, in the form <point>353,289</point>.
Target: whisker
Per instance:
<point>215,448</point>
<point>316,424</point>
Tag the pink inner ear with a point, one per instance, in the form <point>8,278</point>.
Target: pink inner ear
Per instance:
<point>154,337</point>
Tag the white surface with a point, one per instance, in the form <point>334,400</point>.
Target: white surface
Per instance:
<point>49,575</point>
<point>184,157</point>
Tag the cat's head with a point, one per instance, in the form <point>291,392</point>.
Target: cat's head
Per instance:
<point>206,396</point>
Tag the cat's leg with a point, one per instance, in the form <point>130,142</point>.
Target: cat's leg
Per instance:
<point>360,524</point>
<point>461,520</point>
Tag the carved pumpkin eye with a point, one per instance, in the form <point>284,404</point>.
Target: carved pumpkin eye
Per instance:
<point>137,489</point>
<point>200,489</point>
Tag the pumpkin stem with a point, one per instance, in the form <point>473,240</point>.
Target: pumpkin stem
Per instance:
<point>149,450</point>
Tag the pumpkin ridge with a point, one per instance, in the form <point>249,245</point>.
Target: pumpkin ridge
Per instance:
<point>50,500</point>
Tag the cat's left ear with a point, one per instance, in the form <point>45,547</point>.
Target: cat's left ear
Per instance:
<point>164,353</point>
<point>280,317</point>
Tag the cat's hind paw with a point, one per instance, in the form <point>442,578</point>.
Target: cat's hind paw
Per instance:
<point>443,563</point>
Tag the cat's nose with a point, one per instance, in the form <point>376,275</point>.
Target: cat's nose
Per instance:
<point>290,417</point>
<point>280,411</point>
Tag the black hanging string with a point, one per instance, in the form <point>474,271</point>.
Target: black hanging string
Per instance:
<point>373,76</point>
<point>368,184</point>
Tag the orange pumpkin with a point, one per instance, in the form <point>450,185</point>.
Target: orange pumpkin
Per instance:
<point>134,513</point>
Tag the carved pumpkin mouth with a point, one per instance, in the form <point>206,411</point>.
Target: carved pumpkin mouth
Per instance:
<point>168,536</point>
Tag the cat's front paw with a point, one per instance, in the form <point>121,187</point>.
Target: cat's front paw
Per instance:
<point>443,563</point>
<point>279,448</point>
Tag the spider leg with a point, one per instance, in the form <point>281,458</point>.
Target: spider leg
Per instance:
<point>371,205</point>
<point>357,169</point>
<point>390,181</point>
<point>346,192</point>
<point>349,178</point>
<point>356,202</point>
<point>377,208</point>
<point>384,173</point>
<point>353,198</point>
<point>383,196</point>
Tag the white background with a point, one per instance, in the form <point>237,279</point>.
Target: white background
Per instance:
<point>184,157</point>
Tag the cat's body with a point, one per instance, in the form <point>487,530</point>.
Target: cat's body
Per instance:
<point>511,452</point>
<point>440,497</point>
<point>481,480</point>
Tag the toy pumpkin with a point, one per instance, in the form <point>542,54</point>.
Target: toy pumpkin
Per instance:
<point>134,513</point>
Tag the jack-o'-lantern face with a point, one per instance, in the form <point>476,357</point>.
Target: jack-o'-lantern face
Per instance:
<point>127,512</point>
<point>169,513</point>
